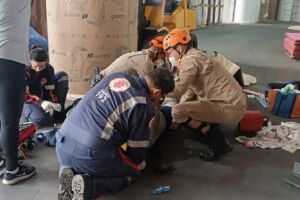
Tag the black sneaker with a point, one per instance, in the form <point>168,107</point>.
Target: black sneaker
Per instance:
<point>65,184</point>
<point>81,187</point>
<point>2,168</point>
<point>24,172</point>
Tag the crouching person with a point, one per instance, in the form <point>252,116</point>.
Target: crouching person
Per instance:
<point>208,94</point>
<point>137,63</point>
<point>115,111</point>
<point>46,90</point>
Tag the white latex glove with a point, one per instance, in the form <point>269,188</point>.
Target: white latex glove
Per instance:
<point>49,106</point>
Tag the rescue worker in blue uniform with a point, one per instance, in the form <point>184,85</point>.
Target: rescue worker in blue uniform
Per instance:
<point>117,110</point>
<point>46,90</point>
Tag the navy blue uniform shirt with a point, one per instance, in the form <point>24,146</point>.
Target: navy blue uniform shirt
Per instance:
<point>115,111</point>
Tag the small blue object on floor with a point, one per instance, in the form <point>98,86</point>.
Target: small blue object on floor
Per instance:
<point>161,189</point>
<point>48,137</point>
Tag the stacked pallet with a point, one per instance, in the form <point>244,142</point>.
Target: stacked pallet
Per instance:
<point>291,43</point>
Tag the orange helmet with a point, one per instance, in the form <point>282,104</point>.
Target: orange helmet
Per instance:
<point>176,36</point>
<point>157,41</point>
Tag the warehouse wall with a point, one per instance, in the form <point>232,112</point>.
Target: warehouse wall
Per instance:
<point>228,12</point>
<point>296,11</point>
<point>289,11</point>
<point>249,11</point>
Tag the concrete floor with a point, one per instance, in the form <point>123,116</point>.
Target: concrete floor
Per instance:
<point>243,174</point>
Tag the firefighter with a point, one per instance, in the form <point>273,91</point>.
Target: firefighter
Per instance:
<point>137,63</point>
<point>46,90</point>
<point>117,110</point>
<point>207,93</point>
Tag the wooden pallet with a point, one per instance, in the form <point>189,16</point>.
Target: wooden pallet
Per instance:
<point>290,55</point>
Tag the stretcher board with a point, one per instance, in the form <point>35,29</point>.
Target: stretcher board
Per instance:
<point>295,28</point>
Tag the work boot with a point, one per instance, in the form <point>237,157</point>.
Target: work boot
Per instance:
<point>154,161</point>
<point>211,154</point>
<point>82,187</point>
<point>196,134</point>
<point>218,145</point>
<point>65,184</point>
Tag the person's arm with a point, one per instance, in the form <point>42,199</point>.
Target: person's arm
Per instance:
<point>187,74</point>
<point>189,95</point>
<point>35,39</point>
<point>50,85</point>
<point>144,65</point>
<point>138,138</point>
<point>30,98</point>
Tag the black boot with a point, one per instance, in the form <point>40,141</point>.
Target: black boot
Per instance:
<point>196,134</point>
<point>218,145</point>
<point>155,161</point>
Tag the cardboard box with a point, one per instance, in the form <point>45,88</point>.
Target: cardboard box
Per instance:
<point>83,34</point>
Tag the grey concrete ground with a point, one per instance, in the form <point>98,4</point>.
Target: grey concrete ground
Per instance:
<point>244,174</point>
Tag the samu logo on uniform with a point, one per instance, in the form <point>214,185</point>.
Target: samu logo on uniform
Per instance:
<point>119,85</point>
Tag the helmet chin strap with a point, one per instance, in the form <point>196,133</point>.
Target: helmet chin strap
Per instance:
<point>178,52</point>
<point>186,50</point>
<point>154,55</point>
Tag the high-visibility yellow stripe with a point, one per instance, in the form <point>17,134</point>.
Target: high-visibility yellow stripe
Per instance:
<point>49,87</point>
<point>123,107</point>
<point>138,144</point>
<point>63,78</point>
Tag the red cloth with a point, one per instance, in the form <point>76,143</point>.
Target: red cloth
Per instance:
<point>128,162</point>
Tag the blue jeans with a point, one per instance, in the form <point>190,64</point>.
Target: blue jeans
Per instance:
<point>35,39</point>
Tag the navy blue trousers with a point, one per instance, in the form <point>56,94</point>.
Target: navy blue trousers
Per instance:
<point>109,173</point>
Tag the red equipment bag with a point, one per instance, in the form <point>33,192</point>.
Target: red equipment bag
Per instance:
<point>252,121</point>
<point>25,133</point>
